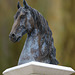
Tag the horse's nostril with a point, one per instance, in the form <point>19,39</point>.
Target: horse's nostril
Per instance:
<point>13,35</point>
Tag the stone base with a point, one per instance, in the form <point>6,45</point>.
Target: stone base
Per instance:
<point>37,68</point>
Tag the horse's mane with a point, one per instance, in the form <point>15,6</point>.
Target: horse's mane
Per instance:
<point>45,31</point>
<point>41,22</point>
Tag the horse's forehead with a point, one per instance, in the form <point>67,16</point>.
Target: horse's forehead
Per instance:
<point>22,11</point>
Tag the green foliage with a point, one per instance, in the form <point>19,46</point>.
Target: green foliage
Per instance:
<point>60,15</point>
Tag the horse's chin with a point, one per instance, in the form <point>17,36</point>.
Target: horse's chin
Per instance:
<point>16,40</point>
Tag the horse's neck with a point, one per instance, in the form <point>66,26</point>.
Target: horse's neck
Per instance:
<point>32,39</point>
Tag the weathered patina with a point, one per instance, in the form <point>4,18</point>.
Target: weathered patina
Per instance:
<point>39,44</point>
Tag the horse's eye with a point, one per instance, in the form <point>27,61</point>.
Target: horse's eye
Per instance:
<point>20,29</point>
<point>22,16</point>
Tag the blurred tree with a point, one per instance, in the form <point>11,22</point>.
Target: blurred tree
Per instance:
<point>68,46</point>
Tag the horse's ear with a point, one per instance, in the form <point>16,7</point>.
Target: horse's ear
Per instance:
<point>25,4</point>
<point>18,5</point>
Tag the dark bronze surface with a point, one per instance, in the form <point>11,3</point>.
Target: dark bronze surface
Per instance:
<point>39,44</point>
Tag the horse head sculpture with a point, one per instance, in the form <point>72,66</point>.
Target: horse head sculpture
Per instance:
<point>23,22</point>
<point>39,44</point>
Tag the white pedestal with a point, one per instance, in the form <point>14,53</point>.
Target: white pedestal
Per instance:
<point>37,68</point>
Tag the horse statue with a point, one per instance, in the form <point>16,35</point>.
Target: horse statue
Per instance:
<point>39,44</point>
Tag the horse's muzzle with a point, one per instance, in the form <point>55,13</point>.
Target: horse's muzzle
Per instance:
<point>13,38</point>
